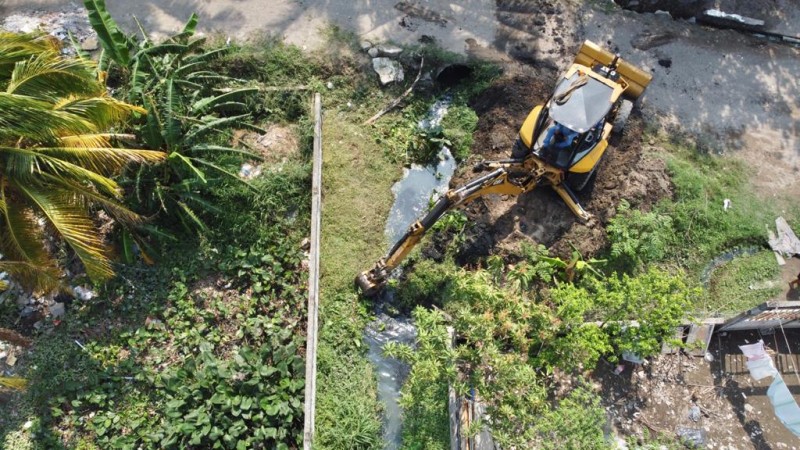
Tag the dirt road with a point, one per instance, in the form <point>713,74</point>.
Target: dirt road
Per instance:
<point>735,93</point>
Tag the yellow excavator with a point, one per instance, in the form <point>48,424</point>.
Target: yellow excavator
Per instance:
<point>560,145</point>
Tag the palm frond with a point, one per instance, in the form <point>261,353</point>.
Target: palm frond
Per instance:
<point>16,383</point>
<point>22,165</point>
<point>35,120</point>
<point>74,226</point>
<point>21,237</point>
<point>102,111</point>
<point>36,277</point>
<point>49,74</point>
<point>96,140</point>
<point>84,197</point>
<point>15,47</point>
<point>103,160</point>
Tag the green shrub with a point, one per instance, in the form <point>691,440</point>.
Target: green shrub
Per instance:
<point>638,238</point>
<point>511,340</point>
<point>575,422</point>
<point>458,125</point>
<point>424,397</point>
<point>253,401</point>
<point>425,283</point>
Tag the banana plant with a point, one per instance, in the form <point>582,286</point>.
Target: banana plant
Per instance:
<point>576,266</point>
<point>185,105</point>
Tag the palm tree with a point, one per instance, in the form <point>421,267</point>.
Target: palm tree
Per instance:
<point>57,160</point>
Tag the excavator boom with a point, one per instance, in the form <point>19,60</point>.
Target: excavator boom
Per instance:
<point>508,177</point>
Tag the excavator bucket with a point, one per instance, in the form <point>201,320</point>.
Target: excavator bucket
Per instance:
<point>636,79</point>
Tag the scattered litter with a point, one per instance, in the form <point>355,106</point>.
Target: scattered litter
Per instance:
<point>709,357</point>
<point>692,437</point>
<point>620,368</point>
<point>728,20</point>
<point>11,359</point>
<point>786,242</point>
<point>632,357</point>
<point>759,362</point>
<point>388,70</point>
<point>694,413</point>
<point>248,171</point>
<point>786,408</point>
<point>59,24</point>
<point>57,310</point>
<point>80,345</point>
<point>83,293</point>
<point>726,204</point>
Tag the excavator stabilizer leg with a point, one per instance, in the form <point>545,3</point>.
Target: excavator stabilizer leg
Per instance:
<point>571,200</point>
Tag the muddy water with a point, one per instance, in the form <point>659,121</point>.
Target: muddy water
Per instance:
<point>419,185</point>
<point>391,372</point>
<point>413,193</point>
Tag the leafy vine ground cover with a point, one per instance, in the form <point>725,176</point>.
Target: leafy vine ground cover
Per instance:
<point>205,348</point>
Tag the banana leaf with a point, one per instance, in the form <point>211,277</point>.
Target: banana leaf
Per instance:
<point>114,41</point>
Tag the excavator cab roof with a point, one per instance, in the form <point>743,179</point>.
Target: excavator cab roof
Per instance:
<point>580,101</point>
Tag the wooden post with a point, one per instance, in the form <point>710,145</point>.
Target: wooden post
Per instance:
<point>313,279</point>
<point>453,402</point>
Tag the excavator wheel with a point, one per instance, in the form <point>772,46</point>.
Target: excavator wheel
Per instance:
<point>623,113</point>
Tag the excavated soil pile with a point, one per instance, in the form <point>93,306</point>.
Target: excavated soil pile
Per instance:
<point>540,217</point>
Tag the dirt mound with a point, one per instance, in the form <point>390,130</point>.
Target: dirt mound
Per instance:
<point>541,217</point>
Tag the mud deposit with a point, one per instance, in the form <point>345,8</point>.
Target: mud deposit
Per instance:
<point>630,170</point>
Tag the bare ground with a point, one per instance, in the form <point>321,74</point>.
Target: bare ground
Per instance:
<point>735,412</point>
<point>628,171</point>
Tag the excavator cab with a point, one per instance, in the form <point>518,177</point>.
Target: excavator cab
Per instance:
<point>560,145</point>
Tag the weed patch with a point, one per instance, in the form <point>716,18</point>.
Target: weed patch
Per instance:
<point>357,182</point>
<point>743,283</point>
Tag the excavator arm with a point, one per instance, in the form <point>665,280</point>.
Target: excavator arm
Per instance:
<point>508,177</point>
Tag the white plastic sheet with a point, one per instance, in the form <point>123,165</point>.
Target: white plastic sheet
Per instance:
<point>761,368</point>
<point>785,405</point>
<point>754,351</point>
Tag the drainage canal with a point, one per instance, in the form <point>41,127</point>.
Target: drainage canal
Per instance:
<point>412,196</point>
